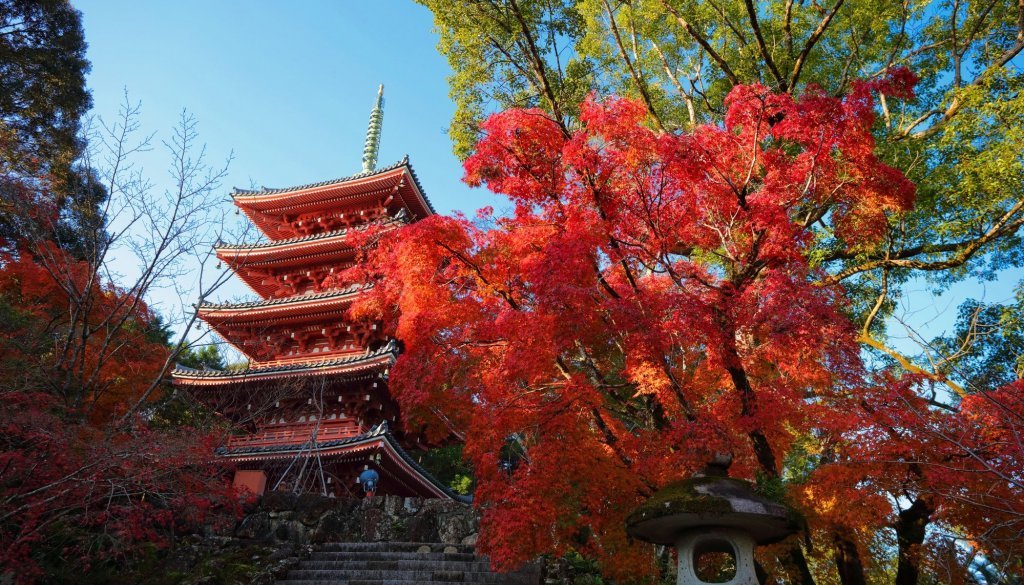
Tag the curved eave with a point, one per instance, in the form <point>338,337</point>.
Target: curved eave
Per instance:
<point>308,304</point>
<point>348,368</point>
<point>253,269</point>
<point>257,282</point>
<point>376,438</point>
<point>315,252</point>
<point>300,249</point>
<point>295,247</point>
<point>261,206</point>
<point>284,249</point>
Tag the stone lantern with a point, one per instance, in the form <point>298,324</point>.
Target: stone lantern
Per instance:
<point>711,514</point>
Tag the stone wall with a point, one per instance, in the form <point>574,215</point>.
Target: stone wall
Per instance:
<point>308,519</point>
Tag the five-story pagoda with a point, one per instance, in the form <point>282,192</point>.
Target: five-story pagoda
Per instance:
<point>314,395</point>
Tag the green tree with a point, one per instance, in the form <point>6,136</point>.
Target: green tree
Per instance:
<point>207,356</point>
<point>509,54</point>
<point>449,466</point>
<point>47,192</point>
<point>986,347</point>
<point>42,86</point>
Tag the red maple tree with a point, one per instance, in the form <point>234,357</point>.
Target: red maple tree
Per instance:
<point>652,301</point>
<point>81,485</point>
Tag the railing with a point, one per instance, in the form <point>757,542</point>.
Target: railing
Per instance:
<point>297,434</point>
<point>310,358</point>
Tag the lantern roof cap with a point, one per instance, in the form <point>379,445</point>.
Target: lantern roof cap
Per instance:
<point>710,501</point>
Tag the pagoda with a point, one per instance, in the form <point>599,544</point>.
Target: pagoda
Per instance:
<point>313,399</point>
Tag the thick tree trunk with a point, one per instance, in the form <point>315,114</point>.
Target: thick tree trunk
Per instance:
<point>796,566</point>
<point>793,558</point>
<point>910,529</point>
<point>847,559</point>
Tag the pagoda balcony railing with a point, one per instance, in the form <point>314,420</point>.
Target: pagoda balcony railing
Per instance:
<point>296,435</point>
<point>311,357</point>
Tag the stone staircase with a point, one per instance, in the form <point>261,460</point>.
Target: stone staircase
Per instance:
<point>401,563</point>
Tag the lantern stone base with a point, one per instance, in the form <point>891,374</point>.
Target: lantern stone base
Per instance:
<point>694,544</point>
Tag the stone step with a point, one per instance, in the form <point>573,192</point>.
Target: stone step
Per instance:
<point>417,576</point>
<point>378,582</point>
<point>476,564</point>
<point>401,563</point>
<point>391,556</point>
<point>434,547</point>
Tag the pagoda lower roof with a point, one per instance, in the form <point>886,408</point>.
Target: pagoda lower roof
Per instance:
<point>261,204</point>
<point>300,304</point>
<point>377,438</point>
<point>347,367</point>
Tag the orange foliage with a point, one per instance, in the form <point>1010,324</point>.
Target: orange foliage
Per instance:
<point>648,304</point>
<point>99,350</point>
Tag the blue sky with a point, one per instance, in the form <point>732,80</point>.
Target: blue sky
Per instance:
<point>288,87</point>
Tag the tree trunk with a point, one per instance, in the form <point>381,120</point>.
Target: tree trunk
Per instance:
<point>847,559</point>
<point>795,563</point>
<point>910,530</point>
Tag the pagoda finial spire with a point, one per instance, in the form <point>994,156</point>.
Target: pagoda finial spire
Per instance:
<point>373,133</point>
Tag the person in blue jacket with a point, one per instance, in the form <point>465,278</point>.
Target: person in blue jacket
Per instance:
<point>368,479</point>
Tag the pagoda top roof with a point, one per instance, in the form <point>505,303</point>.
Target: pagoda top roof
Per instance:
<point>238,192</point>
<point>264,190</point>
<point>242,195</point>
<point>345,365</point>
<point>278,212</point>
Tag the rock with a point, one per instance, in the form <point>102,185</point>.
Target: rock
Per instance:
<point>452,528</point>
<point>338,526</point>
<point>450,550</point>
<point>254,526</point>
<point>471,539</point>
<point>298,532</point>
<point>316,519</point>
<point>420,529</point>
<point>374,526</point>
<point>374,502</point>
<point>280,554</point>
<point>279,501</point>
<point>412,505</point>
<point>393,505</point>
<point>423,549</point>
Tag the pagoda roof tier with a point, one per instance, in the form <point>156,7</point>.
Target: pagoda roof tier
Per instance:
<point>267,267</point>
<point>301,242</point>
<point>270,208</point>
<point>395,459</point>
<point>310,304</point>
<point>348,368</point>
<point>292,327</point>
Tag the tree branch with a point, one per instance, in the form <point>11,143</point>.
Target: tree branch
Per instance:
<point>703,42</point>
<point>811,41</point>
<point>752,14</point>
